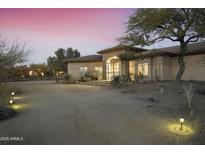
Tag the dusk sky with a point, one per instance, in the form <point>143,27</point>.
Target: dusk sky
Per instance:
<point>46,30</point>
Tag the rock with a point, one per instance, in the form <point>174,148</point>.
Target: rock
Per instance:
<point>148,105</point>
<point>151,99</point>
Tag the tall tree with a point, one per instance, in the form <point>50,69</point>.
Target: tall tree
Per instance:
<point>11,53</point>
<point>60,56</point>
<point>56,63</point>
<point>51,63</point>
<point>72,53</point>
<point>148,26</point>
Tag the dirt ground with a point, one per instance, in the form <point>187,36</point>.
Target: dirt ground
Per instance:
<point>172,105</point>
<point>50,113</point>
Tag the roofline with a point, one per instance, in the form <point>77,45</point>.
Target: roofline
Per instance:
<point>81,61</point>
<point>116,48</point>
<point>173,54</point>
<point>190,53</point>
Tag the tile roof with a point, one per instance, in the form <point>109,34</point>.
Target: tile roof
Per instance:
<point>193,48</point>
<point>89,58</point>
<point>116,48</point>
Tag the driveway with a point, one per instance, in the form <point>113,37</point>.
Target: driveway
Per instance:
<point>53,113</point>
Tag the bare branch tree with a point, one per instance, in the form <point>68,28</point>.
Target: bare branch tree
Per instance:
<point>12,53</point>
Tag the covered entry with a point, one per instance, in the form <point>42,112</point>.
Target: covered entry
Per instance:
<point>113,67</point>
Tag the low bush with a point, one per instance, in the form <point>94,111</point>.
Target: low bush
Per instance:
<point>57,78</point>
<point>85,79</point>
<point>120,81</point>
<point>5,95</point>
<point>67,78</point>
<point>93,75</point>
<point>6,112</point>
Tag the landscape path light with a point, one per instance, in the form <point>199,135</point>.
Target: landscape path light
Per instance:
<point>12,94</point>
<point>11,101</point>
<point>181,122</point>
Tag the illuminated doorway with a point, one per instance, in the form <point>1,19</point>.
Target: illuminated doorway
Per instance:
<point>113,67</point>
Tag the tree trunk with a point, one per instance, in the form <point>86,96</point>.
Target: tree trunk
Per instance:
<point>181,63</point>
<point>181,68</point>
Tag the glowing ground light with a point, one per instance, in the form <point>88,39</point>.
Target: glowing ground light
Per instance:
<point>176,128</point>
<point>19,106</point>
<point>11,101</point>
<point>12,93</point>
<point>15,107</point>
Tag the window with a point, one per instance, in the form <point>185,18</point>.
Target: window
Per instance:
<point>143,69</point>
<point>132,69</point>
<point>113,67</point>
<point>83,71</point>
<point>99,72</point>
<point>98,69</point>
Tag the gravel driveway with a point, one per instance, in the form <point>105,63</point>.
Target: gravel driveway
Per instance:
<point>78,114</point>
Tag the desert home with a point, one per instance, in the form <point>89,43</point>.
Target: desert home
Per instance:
<point>156,64</point>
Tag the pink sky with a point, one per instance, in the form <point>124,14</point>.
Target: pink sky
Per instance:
<point>46,30</point>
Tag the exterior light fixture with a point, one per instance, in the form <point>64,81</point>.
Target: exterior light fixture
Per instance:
<point>11,101</point>
<point>13,94</point>
<point>181,121</point>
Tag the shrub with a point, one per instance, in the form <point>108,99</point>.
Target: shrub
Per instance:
<point>5,94</point>
<point>85,79</point>
<point>6,112</point>
<point>120,81</point>
<point>16,90</point>
<point>67,78</point>
<point>57,78</point>
<point>93,75</point>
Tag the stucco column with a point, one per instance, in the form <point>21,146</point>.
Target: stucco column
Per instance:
<point>124,68</point>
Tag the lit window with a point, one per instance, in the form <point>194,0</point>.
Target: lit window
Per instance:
<point>143,69</point>
<point>30,73</point>
<point>98,69</point>
<point>83,71</point>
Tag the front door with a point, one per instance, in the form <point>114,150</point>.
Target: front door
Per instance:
<point>113,69</point>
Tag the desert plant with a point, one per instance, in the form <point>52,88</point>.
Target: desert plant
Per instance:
<point>57,78</point>
<point>67,78</point>
<point>141,77</point>
<point>120,81</point>
<point>189,93</point>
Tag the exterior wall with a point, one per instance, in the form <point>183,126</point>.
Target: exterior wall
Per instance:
<point>159,68</point>
<point>146,60</point>
<point>166,68</point>
<point>194,68</point>
<point>74,68</point>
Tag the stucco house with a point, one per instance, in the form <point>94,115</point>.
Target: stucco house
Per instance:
<point>156,64</point>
